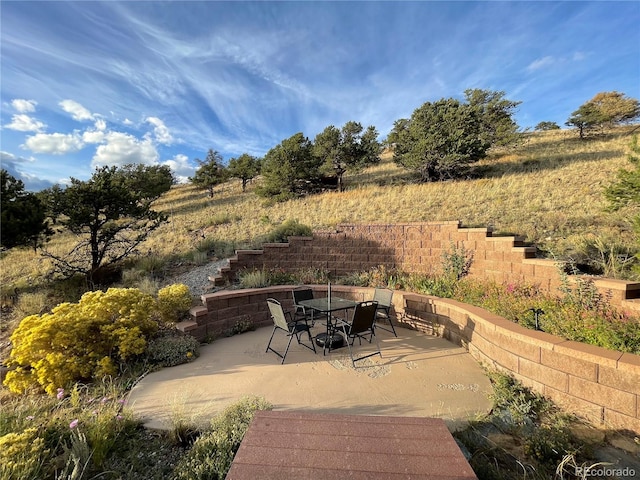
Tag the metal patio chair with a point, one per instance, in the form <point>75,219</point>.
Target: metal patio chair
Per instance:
<point>300,312</point>
<point>361,326</point>
<point>291,328</point>
<point>383,296</point>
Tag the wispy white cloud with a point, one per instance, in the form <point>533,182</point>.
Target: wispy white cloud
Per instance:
<point>172,80</point>
<point>15,165</point>
<point>24,106</point>
<point>181,167</point>
<point>54,143</point>
<point>579,56</point>
<point>77,111</point>
<point>543,62</point>
<point>122,149</point>
<point>160,131</point>
<point>100,124</point>
<point>24,123</point>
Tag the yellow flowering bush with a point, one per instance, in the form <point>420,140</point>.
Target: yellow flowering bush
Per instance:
<point>80,341</point>
<point>22,454</point>
<point>173,301</point>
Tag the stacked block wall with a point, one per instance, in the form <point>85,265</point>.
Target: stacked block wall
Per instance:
<point>417,247</point>
<point>598,384</point>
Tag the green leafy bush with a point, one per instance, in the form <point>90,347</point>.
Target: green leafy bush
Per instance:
<point>456,262</point>
<point>523,429</point>
<point>288,228</point>
<point>174,349</point>
<point>243,325</point>
<point>211,455</point>
<point>581,314</point>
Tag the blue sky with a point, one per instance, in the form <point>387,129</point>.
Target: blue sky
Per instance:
<point>86,84</point>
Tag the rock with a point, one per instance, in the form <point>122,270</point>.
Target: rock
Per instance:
<point>628,444</point>
<point>587,434</point>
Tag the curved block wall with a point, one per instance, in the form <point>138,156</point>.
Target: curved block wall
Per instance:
<point>418,247</point>
<point>598,384</point>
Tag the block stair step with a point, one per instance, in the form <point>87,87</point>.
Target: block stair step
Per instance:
<point>529,252</point>
<point>186,326</point>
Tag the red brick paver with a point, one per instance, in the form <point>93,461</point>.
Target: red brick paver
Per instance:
<point>295,445</point>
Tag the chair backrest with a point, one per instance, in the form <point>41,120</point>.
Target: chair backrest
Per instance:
<point>363,317</point>
<point>301,294</point>
<point>277,314</point>
<point>383,296</point>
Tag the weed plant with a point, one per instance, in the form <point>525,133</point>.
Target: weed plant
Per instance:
<point>212,453</point>
<point>524,436</point>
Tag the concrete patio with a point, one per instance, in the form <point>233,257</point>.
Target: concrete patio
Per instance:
<point>419,375</point>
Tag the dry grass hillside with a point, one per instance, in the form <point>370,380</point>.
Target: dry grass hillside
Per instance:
<point>549,190</point>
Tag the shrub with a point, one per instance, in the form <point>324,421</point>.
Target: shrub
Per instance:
<point>170,350</point>
<point>212,453</point>
<point>456,262</point>
<point>312,275</point>
<point>289,228</point>
<point>253,278</point>
<point>22,455</point>
<point>380,276</point>
<point>174,301</point>
<point>243,325</point>
<point>523,429</point>
<point>80,341</point>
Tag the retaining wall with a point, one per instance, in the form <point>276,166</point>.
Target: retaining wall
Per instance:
<point>418,247</point>
<point>598,384</point>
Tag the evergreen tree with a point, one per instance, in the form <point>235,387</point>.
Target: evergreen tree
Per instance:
<point>347,149</point>
<point>496,113</point>
<point>605,109</point>
<point>245,167</point>
<point>625,191</point>
<point>289,168</point>
<point>210,173</point>
<point>109,217</point>
<point>546,126</point>
<point>440,139</point>
<point>23,216</point>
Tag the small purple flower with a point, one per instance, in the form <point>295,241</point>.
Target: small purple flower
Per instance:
<point>104,400</point>
<point>95,412</point>
<point>30,417</point>
<point>119,417</point>
<point>60,394</point>
<point>73,424</point>
<point>122,401</point>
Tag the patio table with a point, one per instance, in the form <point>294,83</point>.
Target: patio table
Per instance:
<point>327,306</point>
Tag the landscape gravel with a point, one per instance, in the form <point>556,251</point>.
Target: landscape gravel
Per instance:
<point>197,278</point>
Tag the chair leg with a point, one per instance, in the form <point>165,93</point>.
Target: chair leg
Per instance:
<point>392,330</point>
<point>287,350</point>
<point>272,334</point>
<point>311,341</point>
<point>299,335</point>
<point>354,360</point>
